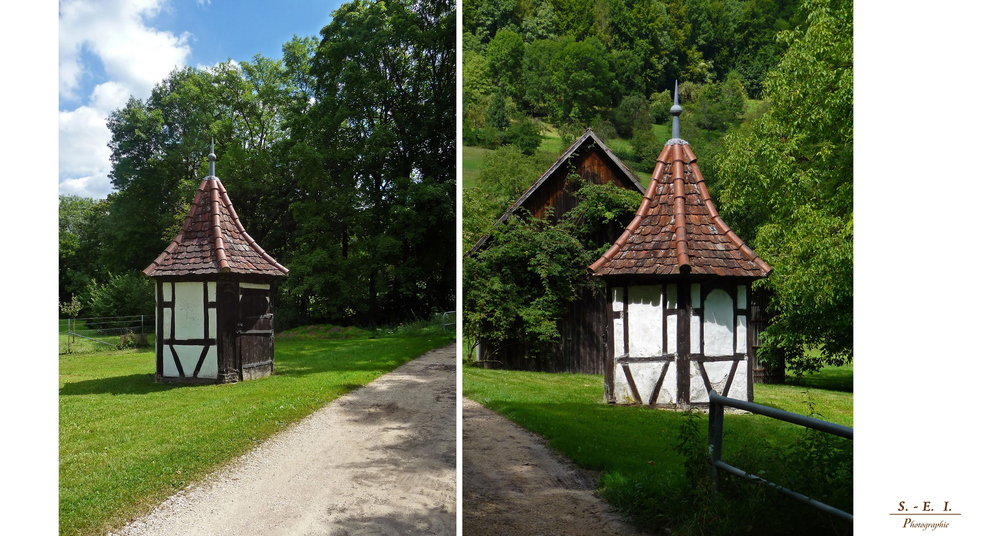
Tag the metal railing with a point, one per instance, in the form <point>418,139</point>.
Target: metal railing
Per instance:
<point>716,411</point>
<point>444,320</point>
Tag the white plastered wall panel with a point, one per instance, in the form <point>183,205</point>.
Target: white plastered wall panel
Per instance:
<point>645,321</point>
<point>210,367</point>
<point>670,301</point>
<point>672,334</point>
<point>718,375</point>
<point>623,394</point>
<point>695,334</point>
<point>188,356</point>
<point>189,314</point>
<point>645,376</point>
<point>169,369</point>
<point>718,323</point>
<point>741,334</point>
<point>668,391</point>
<point>738,389</point>
<point>189,311</point>
<point>168,295</point>
<point>618,305</point>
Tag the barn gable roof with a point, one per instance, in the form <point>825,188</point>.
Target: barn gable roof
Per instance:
<point>213,241</point>
<point>588,137</point>
<point>677,229</point>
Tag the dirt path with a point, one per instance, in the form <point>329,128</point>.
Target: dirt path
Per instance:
<point>379,460</point>
<point>512,484</point>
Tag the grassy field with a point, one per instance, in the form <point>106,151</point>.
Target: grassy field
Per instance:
<point>633,447</point>
<point>126,443</point>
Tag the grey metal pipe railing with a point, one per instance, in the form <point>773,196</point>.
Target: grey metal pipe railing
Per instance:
<point>444,316</point>
<point>716,412</point>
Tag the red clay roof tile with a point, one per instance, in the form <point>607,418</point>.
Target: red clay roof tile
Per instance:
<point>213,241</point>
<point>679,233</point>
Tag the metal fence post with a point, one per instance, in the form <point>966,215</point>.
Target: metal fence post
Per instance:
<point>69,331</point>
<point>715,414</point>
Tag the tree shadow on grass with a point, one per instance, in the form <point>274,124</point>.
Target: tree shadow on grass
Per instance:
<point>829,379</point>
<point>133,384</point>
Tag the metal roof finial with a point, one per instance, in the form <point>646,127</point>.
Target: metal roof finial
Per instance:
<point>675,110</point>
<point>211,160</point>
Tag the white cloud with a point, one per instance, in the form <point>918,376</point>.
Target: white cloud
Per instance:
<point>134,56</point>
<point>95,186</point>
<point>84,156</point>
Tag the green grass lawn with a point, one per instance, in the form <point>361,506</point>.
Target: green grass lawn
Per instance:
<point>126,443</point>
<point>632,447</point>
<point>472,163</point>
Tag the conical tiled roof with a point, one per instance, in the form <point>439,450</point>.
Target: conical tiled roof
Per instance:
<point>213,241</point>
<point>677,229</point>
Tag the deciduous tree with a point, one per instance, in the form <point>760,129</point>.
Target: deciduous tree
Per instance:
<point>787,187</point>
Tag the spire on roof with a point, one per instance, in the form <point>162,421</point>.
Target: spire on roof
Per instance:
<point>675,111</point>
<point>211,161</point>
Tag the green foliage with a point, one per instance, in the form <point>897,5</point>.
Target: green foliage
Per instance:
<point>691,446</point>
<point>504,175</point>
<point>519,287</point>
<point>80,221</point>
<point>600,207</point>
<point>536,72</point>
<point>645,148</point>
<point>521,284</point>
<point>496,112</point>
<point>71,308</point>
<point>631,115</point>
<point>334,158</point>
<point>123,295</point>
<point>787,187</point>
<point>580,80</point>
<point>476,83</point>
<point>503,62</point>
<point>525,134</point>
<point>821,466</point>
<point>659,106</point>
<point>720,105</point>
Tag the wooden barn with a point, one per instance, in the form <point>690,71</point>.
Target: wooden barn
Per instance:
<point>581,348</point>
<point>214,296</point>
<point>678,293</point>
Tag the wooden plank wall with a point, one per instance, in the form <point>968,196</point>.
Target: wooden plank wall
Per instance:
<point>581,349</point>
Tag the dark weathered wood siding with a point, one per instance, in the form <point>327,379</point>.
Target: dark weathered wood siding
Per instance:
<point>581,349</point>
<point>592,164</point>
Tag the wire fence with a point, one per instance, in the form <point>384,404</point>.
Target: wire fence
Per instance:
<point>93,334</point>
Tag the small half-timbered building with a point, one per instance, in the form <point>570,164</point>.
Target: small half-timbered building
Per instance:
<point>214,296</point>
<point>678,293</point>
<point>581,346</point>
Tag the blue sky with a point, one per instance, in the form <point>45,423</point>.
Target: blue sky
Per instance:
<point>109,50</point>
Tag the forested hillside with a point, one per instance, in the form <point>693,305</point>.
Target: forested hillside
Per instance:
<point>767,92</point>
<point>338,157</point>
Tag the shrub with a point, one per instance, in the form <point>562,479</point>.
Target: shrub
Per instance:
<point>631,115</point>
<point>645,148</point>
<point>123,295</point>
<point>525,134</point>
<point>659,107</point>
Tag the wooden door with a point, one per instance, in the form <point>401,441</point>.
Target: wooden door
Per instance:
<point>255,331</point>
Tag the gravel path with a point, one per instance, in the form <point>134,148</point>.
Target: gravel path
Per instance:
<point>379,460</point>
<point>512,484</point>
